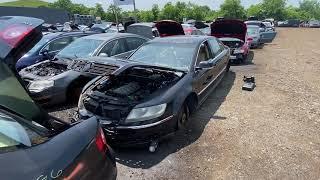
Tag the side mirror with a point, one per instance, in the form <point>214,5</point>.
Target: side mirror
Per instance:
<point>103,55</point>
<point>203,65</point>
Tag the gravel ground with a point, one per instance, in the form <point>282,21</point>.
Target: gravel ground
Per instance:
<point>270,133</point>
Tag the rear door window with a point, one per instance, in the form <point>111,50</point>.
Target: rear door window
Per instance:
<point>134,43</point>
<point>204,53</point>
<point>58,44</point>
<point>215,47</point>
<point>114,47</point>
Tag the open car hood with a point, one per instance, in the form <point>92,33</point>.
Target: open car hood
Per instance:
<point>17,36</point>
<point>169,28</point>
<point>229,28</point>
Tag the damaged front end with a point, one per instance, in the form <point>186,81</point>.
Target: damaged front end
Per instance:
<point>236,46</point>
<point>117,100</point>
<point>46,69</point>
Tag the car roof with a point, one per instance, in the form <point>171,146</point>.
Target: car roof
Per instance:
<point>252,26</point>
<point>253,22</point>
<point>108,36</point>
<point>59,34</point>
<point>143,24</point>
<point>183,39</point>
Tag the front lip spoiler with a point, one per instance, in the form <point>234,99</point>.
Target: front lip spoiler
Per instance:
<point>147,125</point>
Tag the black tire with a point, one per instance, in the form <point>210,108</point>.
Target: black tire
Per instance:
<point>183,117</point>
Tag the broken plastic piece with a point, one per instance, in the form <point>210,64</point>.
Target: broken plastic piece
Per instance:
<point>249,83</point>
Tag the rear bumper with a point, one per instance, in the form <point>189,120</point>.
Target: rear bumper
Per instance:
<point>235,58</point>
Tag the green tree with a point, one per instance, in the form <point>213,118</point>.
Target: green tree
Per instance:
<point>111,13</point>
<point>155,12</point>
<point>274,9</point>
<point>310,9</point>
<point>169,11</point>
<point>232,9</point>
<point>293,13</point>
<point>98,11</point>
<point>256,10</point>
<point>62,4</point>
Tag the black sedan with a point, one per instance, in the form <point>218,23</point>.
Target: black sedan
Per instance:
<point>51,82</point>
<point>154,91</point>
<point>34,145</point>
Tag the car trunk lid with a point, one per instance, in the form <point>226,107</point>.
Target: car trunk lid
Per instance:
<point>169,28</point>
<point>229,28</point>
<point>17,36</point>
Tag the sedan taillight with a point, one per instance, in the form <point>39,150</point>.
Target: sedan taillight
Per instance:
<point>101,142</point>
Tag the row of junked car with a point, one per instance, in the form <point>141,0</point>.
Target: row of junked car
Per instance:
<point>133,90</point>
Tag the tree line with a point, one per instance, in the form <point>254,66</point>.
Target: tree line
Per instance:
<point>277,9</point>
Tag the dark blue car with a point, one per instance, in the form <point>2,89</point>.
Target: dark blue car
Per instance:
<point>48,47</point>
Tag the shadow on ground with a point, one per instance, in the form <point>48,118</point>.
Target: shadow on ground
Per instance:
<point>142,158</point>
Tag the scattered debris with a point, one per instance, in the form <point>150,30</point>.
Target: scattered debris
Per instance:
<point>249,83</point>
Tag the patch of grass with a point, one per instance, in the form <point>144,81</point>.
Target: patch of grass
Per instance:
<point>25,3</point>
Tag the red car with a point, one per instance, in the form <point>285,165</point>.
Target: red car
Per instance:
<point>233,33</point>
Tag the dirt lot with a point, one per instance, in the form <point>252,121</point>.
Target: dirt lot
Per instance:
<point>270,133</point>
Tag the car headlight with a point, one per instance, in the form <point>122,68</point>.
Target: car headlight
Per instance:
<point>238,51</point>
<point>38,86</point>
<point>146,113</point>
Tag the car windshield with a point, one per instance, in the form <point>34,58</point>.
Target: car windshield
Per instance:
<point>172,55</point>
<point>102,26</point>
<point>40,44</point>
<point>253,31</point>
<point>16,134</point>
<point>80,48</point>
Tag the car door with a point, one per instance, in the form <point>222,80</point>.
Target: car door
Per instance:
<point>133,43</point>
<point>267,37</point>
<point>114,48</point>
<point>221,57</point>
<point>203,76</point>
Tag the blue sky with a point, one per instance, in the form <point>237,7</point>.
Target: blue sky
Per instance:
<point>147,4</point>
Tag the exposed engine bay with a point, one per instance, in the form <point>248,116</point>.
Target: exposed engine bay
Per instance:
<point>233,44</point>
<point>48,68</point>
<point>116,97</point>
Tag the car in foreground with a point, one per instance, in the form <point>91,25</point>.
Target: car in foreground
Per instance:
<point>154,91</point>
<point>48,47</point>
<point>159,29</point>
<point>33,144</point>
<point>233,33</point>
<point>52,82</point>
